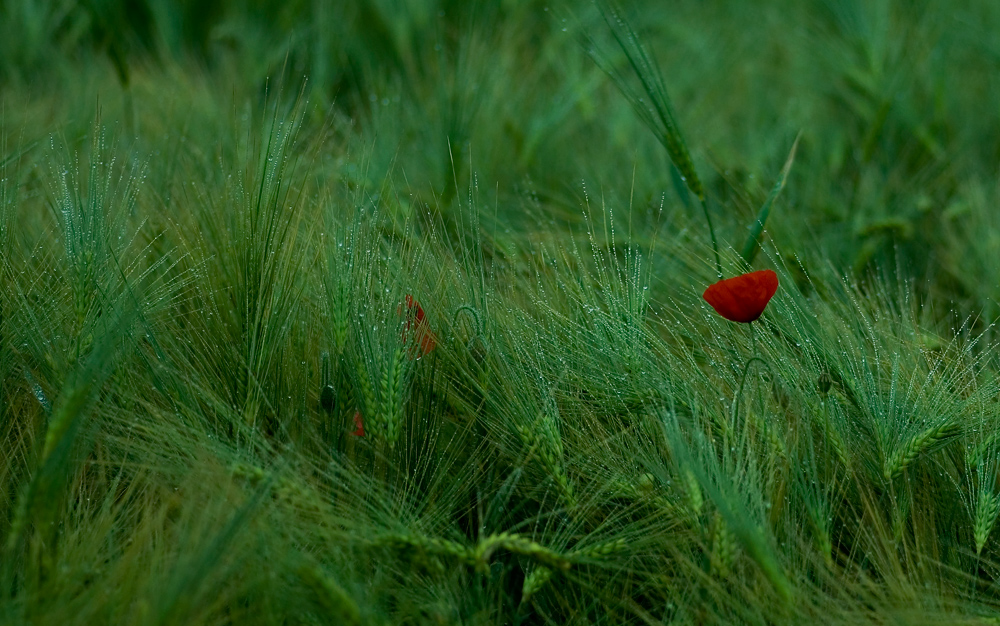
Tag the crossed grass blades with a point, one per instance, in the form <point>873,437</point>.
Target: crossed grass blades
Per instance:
<point>202,289</point>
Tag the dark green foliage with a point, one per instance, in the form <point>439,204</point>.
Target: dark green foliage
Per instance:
<point>214,218</point>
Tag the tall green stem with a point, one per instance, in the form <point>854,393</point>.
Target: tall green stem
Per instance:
<point>743,380</point>
<point>711,231</point>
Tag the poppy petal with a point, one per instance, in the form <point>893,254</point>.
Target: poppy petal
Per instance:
<point>427,341</point>
<point>424,338</point>
<point>742,298</point>
<point>359,430</point>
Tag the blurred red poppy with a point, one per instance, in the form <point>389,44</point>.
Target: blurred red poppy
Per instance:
<point>359,430</point>
<point>744,297</point>
<point>424,337</point>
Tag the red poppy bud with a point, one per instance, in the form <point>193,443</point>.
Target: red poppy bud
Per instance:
<point>359,430</point>
<point>742,298</point>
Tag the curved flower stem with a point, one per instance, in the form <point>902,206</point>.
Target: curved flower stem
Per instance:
<point>471,310</point>
<point>743,380</point>
<point>711,231</point>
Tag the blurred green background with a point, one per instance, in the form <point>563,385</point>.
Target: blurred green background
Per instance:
<point>896,103</point>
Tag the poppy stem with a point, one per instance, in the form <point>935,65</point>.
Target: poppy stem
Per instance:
<point>743,380</point>
<point>711,232</point>
<point>471,310</point>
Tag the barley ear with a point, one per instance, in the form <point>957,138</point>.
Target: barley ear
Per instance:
<point>368,398</point>
<point>923,442</point>
<point>391,414</point>
<point>695,499</point>
<point>336,603</point>
<point>653,106</point>
<point>543,437</point>
<point>723,548</point>
<point>516,544</point>
<point>427,550</point>
<point>837,443</point>
<point>821,533</point>
<point>599,550</point>
<point>340,316</point>
<point>534,581</point>
<point>987,509</point>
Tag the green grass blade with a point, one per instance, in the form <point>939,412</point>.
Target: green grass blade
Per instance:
<point>752,245</point>
<point>659,115</point>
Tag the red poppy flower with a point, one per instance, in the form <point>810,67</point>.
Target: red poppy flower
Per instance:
<point>359,430</point>
<point>742,298</point>
<point>424,337</point>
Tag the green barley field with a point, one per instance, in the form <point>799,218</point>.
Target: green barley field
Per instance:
<point>391,312</point>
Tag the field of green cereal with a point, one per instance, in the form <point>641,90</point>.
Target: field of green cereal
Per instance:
<point>391,312</point>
